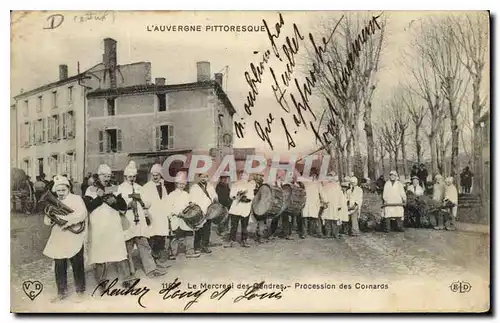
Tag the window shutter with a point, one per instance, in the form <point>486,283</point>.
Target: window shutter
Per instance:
<point>44,129</point>
<point>170,137</point>
<point>74,168</point>
<point>158,138</point>
<point>31,133</point>
<point>64,124</point>
<point>73,125</point>
<point>101,141</point>
<point>119,140</point>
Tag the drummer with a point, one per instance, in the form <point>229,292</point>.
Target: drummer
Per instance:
<point>175,203</point>
<point>261,225</point>
<point>283,220</point>
<point>310,212</point>
<point>203,193</point>
<point>242,193</point>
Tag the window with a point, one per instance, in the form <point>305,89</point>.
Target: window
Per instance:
<point>27,166</point>
<point>44,130</point>
<point>32,133</point>
<point>164,137</point>
<point>70,125</point>
<point>162,102</point>
<point>54,99</point>
<point>55,127</point>
<point>26,108</point>
<point>39,132</point>
<point>39,105</point>
<point>70,94</point>
<point>111,107</point>
<point>110,140</point>
<point>40,166</point>
<point>54,163</point>
<point>25,134</point>
<point>64,125</point>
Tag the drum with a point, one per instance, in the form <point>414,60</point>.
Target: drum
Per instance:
<point>295,198</point>
<point>268,202</point>
<point>217,212</point>
<point>192,215</point>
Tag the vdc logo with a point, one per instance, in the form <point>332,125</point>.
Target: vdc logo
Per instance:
<point>460,287</point>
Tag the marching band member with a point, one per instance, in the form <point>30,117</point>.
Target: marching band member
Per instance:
<point>415,187</point>
<point>137,230</point>
<point>63,245</point>
<point>314,200</point>
<point>176,202</point>
<point>438,191</point>
<point>106,237</point>
<point>394,193</point>
<point>222,189</point>
<point>334,197</point>
<point>154,193</point>
<point>283,220</point>
<point>451,200</point>
<point>242,193</point>
<point>261,225</point>
<point>354,202</point>
<point>203,193</point>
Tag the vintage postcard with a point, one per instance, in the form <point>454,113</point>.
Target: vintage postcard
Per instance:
<point>258,161</point>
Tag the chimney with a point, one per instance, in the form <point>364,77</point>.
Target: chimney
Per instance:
<point>109,60</point>
<point>203,71</point>
<point>63,72</point>
<point>218,78</point>
<point>160,81</point>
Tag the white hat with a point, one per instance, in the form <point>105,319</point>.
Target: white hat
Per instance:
<point>438,176</point>
<point>181,177</point>
<point>103,170</point>
<point>448,180</point>
<point>393,172</point>
<point>354,180</point>
<point>59,180</point>
<point>156,168</point>
<point>130,170</point>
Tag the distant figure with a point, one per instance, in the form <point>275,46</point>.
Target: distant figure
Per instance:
<point>85,183</point>
<point>422,175</point>
<point>414,171</point>
<point>380,184</point>
<point>39,188</point>
<point>466,180</point>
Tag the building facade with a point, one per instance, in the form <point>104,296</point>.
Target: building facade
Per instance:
<point>149,122</point>
<point>49,132</point>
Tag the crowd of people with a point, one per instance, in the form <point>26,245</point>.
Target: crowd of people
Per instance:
<point>150,218</point>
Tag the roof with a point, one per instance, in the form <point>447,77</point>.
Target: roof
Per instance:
<point>160,153</point>
<point>50,85</point>
<point>153,88</point>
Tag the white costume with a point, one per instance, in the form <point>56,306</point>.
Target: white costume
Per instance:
<point>106,237</point>
<point>240,208</point>
<point>158,209</point>
<point>336,202</point>
<point>198,196</point>
<point>394,193</point>
<point>313,199</point>
<point>63,243</point>
<point>141,229</point>
<point>451,194</point>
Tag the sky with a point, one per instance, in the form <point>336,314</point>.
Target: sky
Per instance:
<point>37,53</point>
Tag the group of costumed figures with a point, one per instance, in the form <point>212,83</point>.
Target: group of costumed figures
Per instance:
<point>105,226</point>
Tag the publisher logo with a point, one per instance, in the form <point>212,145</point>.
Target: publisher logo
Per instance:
<point>460,287</point>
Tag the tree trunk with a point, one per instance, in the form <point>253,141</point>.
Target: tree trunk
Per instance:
<point>403,152</point>
<point>396,156</point>
<point>418,144</point>
<point>454,169</point>
<point>390,161</point>
<point>476,139</point>
<point>367,118</point>
<point>434,152</point>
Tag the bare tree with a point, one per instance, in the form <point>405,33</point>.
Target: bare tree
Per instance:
<point>391,134</point>
<point>417,114</point>
<point>471,33</point>
<point>402,121</point>
<point>425,83</point>
<point>351,98</point>
<point>443,54</point>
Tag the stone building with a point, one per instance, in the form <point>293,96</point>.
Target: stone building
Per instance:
<point>147,122</point>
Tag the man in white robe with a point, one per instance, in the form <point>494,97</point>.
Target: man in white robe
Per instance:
<point>334,199</point>
<point>203,193</point>
<point>312,223</point>
<point>451,200</point>
<point>65,246</point>
<point>242,193</point>
<point>394,199</point>
<point>138,231</point>
<point>106,241</point>
<point>154,193</point>
<point>354,202</point>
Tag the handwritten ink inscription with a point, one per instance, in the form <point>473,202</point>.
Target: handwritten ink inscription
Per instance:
<point>56,20</point>
<point>292,95</point>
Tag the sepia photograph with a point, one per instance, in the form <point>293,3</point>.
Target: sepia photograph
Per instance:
<point>250,162</point>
